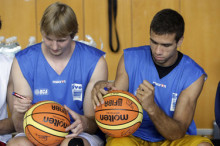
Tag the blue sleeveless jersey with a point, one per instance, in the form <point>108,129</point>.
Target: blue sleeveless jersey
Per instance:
<point>140,66</point>
<point>69,87</point>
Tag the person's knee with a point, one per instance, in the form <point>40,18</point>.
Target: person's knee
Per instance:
<point>204,144</point>
<point>19,141</point>
<point>122,141</point>
<point>191,140</point>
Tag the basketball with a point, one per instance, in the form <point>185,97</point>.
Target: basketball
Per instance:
<point>45,123</point>
<point>120,115</point>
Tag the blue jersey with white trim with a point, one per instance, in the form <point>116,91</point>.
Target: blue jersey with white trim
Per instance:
<point>69,87</point>
<point>140,66</point>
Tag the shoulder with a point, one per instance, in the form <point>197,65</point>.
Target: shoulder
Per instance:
<point>140,52</point>
<point>28,58</point>
<point>29,51</point>
<point>89,49</point>
<point>5,63</point>
<point>190,66</point>
<point>191,71</point>
<point>2,58</point>
<point>89,57</point>
<point>5,59</point>
<point>139,49</point>
<point>136,54</point>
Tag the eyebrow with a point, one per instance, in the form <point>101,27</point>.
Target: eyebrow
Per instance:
<point>60,39</point>
<point>166,44</point>
<point>48,38</point>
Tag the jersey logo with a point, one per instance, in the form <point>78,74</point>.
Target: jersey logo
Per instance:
<point>159,85</point>
<point>59,81</point>
<point>77,91</point>
<point>41,91</point>
<point>173,102</point>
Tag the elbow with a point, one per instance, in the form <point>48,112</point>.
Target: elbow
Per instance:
<point>176,135</point>
<point>178,132</point>
<point>90,126</point>
<point>12,128</point>
<point>17,127</point>
<point>18,123</point>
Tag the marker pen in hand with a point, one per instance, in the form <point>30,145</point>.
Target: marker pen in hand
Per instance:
<point>18,95</point>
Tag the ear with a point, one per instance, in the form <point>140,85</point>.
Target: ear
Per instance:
<point>180,42</point>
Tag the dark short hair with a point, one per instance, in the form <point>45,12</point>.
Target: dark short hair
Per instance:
<point>168,21</point>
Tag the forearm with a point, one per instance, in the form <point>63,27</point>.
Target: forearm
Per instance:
<point>18,121</point>
<point>168,127</point>
<point>90,125</point>
<point>103,84</point>
<point>6,126</point>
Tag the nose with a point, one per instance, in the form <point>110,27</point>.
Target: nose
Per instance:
<point>158,49</point>
<point>54,45</point>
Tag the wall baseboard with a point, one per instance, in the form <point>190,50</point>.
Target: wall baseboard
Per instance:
<point>204,132</point>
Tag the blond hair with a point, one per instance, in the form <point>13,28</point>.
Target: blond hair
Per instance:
<point>59,20</point>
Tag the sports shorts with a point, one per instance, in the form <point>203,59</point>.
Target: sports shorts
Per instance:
<point>187,140</point>
<point>2,144</point>
<point>93,140</point>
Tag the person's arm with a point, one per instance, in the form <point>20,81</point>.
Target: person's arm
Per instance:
<point>176,127</point>
<point>6,126</point>
<point>100,74</point>
<point>120,83</point>
<point>87,122</point>
<point>18,106</point>
<point>169,128</point>
<point>121,80</point>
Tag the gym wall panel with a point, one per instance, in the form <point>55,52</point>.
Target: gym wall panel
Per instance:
<point>97,25</point>
<point>76,5</point>
<point>18,19</point>
<point>142,14</point>
<point>201,42</point>
<point>21,18</point>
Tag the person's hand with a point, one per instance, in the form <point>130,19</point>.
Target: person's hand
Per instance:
<point>145,94</point>
<point>99,90</point>
<point>22,105</point>
<point>79,125</point>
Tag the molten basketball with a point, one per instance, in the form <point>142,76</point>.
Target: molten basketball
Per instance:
<point>120,115</point>
<point>45,123</point>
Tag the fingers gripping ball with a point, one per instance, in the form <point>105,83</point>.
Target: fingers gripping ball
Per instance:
<point>120,115</point>
<point>45,123</point>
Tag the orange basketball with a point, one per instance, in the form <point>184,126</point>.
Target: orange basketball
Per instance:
<point>120,115</point>
<point>45,123</point>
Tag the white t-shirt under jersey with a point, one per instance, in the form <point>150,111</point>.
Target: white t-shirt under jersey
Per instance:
<point>5,67</point>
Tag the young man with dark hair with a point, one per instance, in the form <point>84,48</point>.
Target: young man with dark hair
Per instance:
<point>166,82</point>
